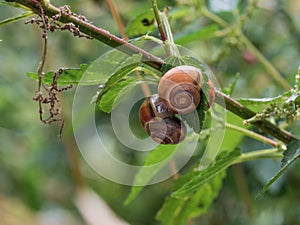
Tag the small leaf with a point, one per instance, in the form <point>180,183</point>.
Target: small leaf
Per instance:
<point>96,72</point>
<point>258,104</point>
<point>16,18</point>
<point>264,101</point>
<point>260,101</point>
<point>109,100</point>
<point>113,81</point>
<point>68,76</point>
<point>173,61</point>
<point>177,211</point>
<point>103,67</point>
<point>192,61</point>
<point>201,177</point>
<point>154,162</point>
<point>232,138</point>
<point>228,91</point>
<point>290,155</point>
<point>16,5</point>
<point>142,24</point>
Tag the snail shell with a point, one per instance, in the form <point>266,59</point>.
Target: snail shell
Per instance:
<point>159,121</point>
<point>169,130</point>
<point>180,86</point>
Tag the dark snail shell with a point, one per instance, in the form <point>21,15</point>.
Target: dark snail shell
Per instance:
<point>180,87</point>
<point>159,121</point>
<point>169,130</point>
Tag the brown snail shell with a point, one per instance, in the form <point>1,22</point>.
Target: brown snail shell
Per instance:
<point>180,86</point>
<point>159,121</point>
<point>169,130</point>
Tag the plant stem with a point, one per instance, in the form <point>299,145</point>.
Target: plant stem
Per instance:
<point>105,37</point>
<point>214,17</point>
<point>245,113</point>
<point>95,32</point>
<point>160,26</point>
<point>252,134</point>
<point>259,154</point>
<point>273,72</point>
<point>117,18</point>
<point>269,67</point>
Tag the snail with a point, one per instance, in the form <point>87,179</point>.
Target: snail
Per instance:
<point>159,120</point>
<point>181,86</point>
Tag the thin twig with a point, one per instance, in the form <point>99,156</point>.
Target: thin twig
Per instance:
<point>117,18</point>
<point>269,67</point>
<point>160,26</point>
<point>252,134</point>
<point>93,31</point>
<point>42,64</point>
<point>259,154</point>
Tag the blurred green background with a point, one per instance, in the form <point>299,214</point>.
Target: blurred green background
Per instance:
<point>37,183</point>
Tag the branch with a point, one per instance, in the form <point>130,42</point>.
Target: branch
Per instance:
<point>89,29</point>
<point>259,154</point>
<point>252,134</point>
<point>105,37</point>
<point>245,113</point>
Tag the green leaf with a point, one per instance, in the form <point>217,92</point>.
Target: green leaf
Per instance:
<point>16,5</point>
<point>16,18</point>
<point>173,61</point>
<point>203,34</point>
<point>260,101</point>
<point>258,104</point>
<point>68,76</point>
<point>177,211</point>
<point>230,89</point>
<point>97,72</point>
<point>142,24</point>
<point>232,138</point>
<point>290,155</point>
<point>201,177</point>
<point>109,100</point>
<point>154,162</point>
<point>114,85</point>
<point>102,68</point>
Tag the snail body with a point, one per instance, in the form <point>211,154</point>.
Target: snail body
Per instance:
<point>181,86</point>
<point>160,122</point>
